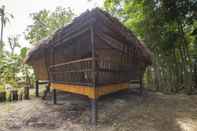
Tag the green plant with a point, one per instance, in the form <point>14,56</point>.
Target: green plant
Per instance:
<point>2,88</point>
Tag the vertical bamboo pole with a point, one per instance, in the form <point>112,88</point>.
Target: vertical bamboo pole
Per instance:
<point>141,86</point>
<point>37,88</point>
<point>54,96</point>
<point>54,90</point>
<point>93,101</point>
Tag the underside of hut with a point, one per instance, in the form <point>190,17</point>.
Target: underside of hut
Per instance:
<point>93,56</point>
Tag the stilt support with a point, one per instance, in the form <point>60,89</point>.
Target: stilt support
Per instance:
<point>141,87</point>
<point>37,88</point>
<point>54,97</point>
<point>93,111</point>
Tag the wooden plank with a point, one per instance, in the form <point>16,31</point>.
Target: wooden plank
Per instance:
<point>92,93</point>
<point>77,89</point>
<point>111,88</point>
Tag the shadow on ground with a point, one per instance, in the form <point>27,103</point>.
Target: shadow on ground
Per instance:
<point>123,111</point>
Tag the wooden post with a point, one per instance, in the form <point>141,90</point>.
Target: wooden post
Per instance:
<point>93,101</point>
<point>47,91</point>
<point>195,73</point>
<point>94,111</point>
<point>2,96</point>
<point>20,96</point>
<point>141,86</point>
<point>10,97</point>
<point>15,95</point>
<point>26,92</point>
<point>37,88</point>
<point>54,97</point>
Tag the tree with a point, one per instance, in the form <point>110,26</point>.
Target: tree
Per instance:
<point>2,11</point>
<point>167,27</point>
<point>13,43</point>
<point>5,17</point>
<point>46,22</point>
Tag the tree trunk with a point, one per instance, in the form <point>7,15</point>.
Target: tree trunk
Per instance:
<point>26,92</point>
<point>156,73</point>
<point>2,26</point>
<point>2,96</point>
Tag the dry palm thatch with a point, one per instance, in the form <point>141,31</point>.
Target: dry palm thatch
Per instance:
<point>103,23</point>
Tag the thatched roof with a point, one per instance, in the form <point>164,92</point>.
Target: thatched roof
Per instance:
<point>78,22</point>
<point>38,47</point>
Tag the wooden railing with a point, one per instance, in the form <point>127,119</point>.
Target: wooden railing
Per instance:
<point>72,72</point>
<point>80,72</point>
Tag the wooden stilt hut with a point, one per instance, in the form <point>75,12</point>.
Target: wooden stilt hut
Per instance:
<point>93,56</point>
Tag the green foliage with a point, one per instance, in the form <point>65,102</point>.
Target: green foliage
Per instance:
<point>2,88</point>
<point>168,28</point>
<point>129,12</point>
<point>12,69</point>
<point>13,43</point>
<point>5,18</point>
<point>46,22</point>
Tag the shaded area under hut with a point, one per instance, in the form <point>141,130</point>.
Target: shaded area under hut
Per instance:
<point>93,56</point>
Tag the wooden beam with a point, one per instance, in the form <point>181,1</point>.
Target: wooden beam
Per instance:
<point>70,62</point>
<point>88,90</point>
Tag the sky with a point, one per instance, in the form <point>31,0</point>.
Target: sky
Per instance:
<point>22,8</point>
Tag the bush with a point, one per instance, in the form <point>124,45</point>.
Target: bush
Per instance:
<point>2,88</point>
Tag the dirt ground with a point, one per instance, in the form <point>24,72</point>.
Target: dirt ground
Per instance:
<point>123,111</point>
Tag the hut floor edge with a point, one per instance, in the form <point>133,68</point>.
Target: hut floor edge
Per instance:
<point>91,92</point>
